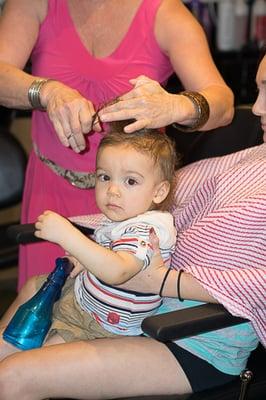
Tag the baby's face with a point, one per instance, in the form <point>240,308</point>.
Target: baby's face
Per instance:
<point>127,183</point>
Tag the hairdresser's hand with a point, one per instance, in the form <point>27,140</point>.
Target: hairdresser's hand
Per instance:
<point>70,113</point>
<point>53,227</point>
<point>148,103</point>
<point>149,280</point>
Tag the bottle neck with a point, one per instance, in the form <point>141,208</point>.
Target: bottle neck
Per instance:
<point>51,288</point>
<point>49,291</point>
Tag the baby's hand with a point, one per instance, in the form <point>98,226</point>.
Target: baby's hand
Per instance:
<point>77,267</point>
<point>53,227</point>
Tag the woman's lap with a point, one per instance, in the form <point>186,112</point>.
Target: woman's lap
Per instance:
<point>93,367</point>
<point>103,368</point>
<point>208,377</point>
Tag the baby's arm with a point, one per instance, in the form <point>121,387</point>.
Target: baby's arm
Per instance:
<point>112,267</point>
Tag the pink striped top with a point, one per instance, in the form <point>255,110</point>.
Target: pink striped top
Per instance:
<point>220,216</point>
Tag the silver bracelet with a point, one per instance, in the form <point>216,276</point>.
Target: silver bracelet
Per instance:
<point>202,108</point>
<point>34,93</point>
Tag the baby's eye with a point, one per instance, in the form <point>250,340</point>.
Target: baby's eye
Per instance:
<point>103,177</point>
<point>131,181</point>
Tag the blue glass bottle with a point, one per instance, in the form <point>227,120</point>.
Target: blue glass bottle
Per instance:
<point>30,324</point>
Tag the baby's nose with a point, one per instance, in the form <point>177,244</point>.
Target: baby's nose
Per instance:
<point>113,189</point>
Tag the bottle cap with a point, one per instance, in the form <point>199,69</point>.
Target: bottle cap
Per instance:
<point>65,264</point>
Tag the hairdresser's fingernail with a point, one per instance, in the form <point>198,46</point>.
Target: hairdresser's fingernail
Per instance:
<point>152,231</point>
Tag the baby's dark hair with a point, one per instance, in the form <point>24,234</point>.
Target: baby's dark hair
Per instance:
<point>152,142</point>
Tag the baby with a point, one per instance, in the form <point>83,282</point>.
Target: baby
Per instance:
<point>134,175</point>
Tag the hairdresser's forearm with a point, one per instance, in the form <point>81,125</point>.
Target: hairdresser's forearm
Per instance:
<point>221,103</point>
<point>14,86</point>
<point>221,112</point>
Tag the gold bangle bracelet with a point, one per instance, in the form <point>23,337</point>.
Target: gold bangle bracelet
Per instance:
<point>202,108</point>
<point>34,93</point>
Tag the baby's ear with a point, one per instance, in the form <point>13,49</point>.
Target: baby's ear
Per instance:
<point>161,192</point>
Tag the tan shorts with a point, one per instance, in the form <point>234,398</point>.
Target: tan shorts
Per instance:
<point>69,320</point>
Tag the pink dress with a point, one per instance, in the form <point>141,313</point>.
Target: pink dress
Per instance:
<point>60,54</point>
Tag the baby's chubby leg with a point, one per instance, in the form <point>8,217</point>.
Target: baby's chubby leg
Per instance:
<point>28,290</point>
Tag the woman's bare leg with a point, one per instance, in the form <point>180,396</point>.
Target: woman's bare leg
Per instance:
<point>28,290</point>
<point>98,369</point>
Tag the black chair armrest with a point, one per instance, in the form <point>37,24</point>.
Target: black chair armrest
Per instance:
<point>24,233</point>
<point>189,322</point>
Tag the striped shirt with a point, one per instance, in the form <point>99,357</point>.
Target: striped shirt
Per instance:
<point>117,310</point>
<point>220,217</point>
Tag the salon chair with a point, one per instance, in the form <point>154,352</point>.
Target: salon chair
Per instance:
<point>244,132</point>
<point>251,385</point>
<point>12,169</point>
